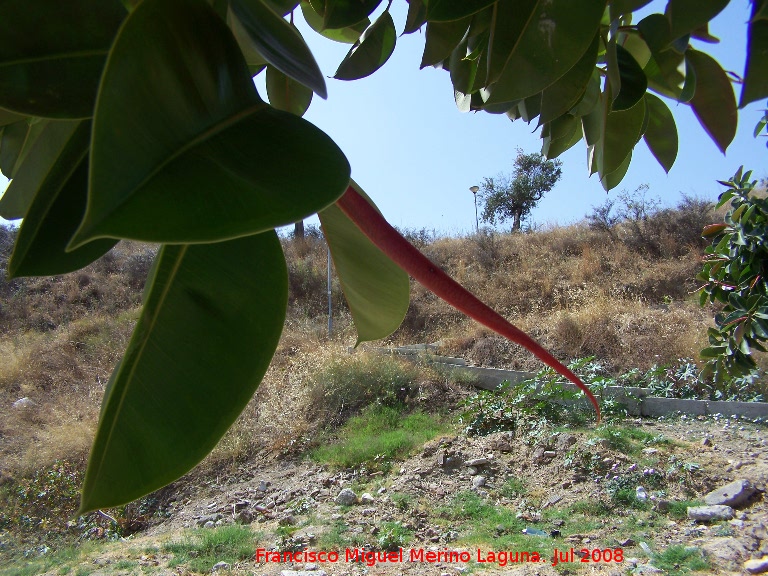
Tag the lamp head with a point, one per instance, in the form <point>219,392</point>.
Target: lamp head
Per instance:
<point>474,189</point>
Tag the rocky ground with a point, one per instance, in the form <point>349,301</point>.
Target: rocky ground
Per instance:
<point>556,485</point>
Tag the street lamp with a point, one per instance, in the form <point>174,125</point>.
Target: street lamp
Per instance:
<point>474,190</point>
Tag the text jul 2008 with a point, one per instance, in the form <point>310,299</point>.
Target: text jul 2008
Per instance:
<point>501,558</point>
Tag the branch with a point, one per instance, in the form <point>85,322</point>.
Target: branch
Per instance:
<point>389,241</point>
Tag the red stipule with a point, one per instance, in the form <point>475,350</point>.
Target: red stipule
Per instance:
<point>405,255</point>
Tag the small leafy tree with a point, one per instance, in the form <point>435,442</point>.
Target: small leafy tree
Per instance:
<point>513,197</point>
<point>735,269</point>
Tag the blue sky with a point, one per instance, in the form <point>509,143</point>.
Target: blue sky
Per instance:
<point>417,155</point>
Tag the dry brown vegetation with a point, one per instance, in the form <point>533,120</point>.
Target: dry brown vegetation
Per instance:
<point>624,294</point>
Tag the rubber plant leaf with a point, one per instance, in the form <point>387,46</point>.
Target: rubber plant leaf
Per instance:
<point>370,52</point>
<point>376,289</point>
<point>661,134</point>
<point>59,147</point>
<point>688,15</point>
<point>564,94</point>
<point>280,43</point>
<point>755,76</point>
<point>16,142</point>
<point>287,94</point>
<point>183,148</point>
<point>389,241</point>
<point>40,248</point>
<point>348,35</point>
<point>713,102</point>
<point>448,10</point>
<point>346,13</point>
<point>554,40</point>
<point>208,330</point>
<point>52,54</point>
<point>442,38</point>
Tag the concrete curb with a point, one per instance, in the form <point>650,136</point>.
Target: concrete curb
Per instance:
<point>638,401</point>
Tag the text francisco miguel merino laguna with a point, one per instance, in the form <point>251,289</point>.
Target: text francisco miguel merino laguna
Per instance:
<point>502,558</point>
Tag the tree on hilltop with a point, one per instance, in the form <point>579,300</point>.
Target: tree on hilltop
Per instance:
<point>513,197</point>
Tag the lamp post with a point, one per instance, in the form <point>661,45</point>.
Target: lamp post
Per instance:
<point>474,190</point>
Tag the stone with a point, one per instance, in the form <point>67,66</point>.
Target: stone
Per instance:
<point>661,505</point>
<point>346,497</point>
<point>220,566</point>
<point>367,498</point>
<point>478,481</point>
<point>756,565</point>
<point>303,573</point>
<point>472,471</point>
<point>734,494</point>
<point>564,442</point>
<point>709,513</point>
<point>626,543</point>
<point>477,462</point>
<point>727,552</point>
<point>263,485</point>
<point>24,403</point>
<point>647,569</point>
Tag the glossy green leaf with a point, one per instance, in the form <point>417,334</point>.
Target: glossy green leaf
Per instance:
<point>210,325</point>
<point>619,7</point>
<point>8,117</point>
<point>661,134</point>
<point>633,80</point>
<point>442,38</point>
<point>376,289</point>
<point>449,10</point>
<point>590,97</point>
<point>250,51</point>
<point>687,15</point>
<point>569,90</point>
<point>16,142</point>
<point>462,69</point>
<point>345,13</point>
<point>371,52</point>
<point>714,102</point>
<point>508,23</point>
<point>636,46</point>
<point>59,147</point>
<point>287,94</point>
<point>655,30</point>
<point>417,16</point>
<point>282,7</point>
<point>755,76</point>
<point>49,223</point>
<point>564,133</point>
<point>280,43</point>
<point>52,54</point>
<point>185,151</point>
<point>530,108</point>
<point>592,123</point>
<point>620,132</point>
<point>554,40</point>
<point>348,35</point>
<point>610,181</point>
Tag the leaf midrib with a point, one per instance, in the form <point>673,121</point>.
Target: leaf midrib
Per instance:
<point>54,57</point>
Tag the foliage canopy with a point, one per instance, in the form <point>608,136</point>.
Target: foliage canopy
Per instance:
<point>140,120</point>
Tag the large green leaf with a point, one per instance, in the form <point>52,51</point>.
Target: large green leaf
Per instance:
<point>348,35</point>
<point>8,117</point>
<point>417,16</point>
<point>661,133</point>
<point>59,147</point>
<point>448,10</point>
<point>52,54</point>
<point>250,51</point>
<point>554,40</point>
<point>610,181</point>
<point>509,21</point>
<point>442,38</point>
<point>714,102</point>
<point>370,52</point>
<point>48,226</point>
<point>210,325</point>
<point>463,69</point>
<point>590,97</point>
<point>280,43</point>
<point>634,83</point>
<point>183,148</point>
<point>688,15</point>
<point>286,93</point>
<point>568,90</point>
<point>620,131</point>
<point>345,13</point>
<point>16,142</point>
<point>619,7</point>
<point>756,69</point>
<point>563,134</point>
<point>377,290</point>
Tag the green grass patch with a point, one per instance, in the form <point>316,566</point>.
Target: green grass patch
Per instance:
<point>680,559</point>
<point>630,441</point>
<point>377,435</point>
<point>63,560</point>
<point>392,536</point>
<point>338,537</point>
<point>590,507</point>
<point>201,549</point>
<point>402,500</point>
<point>513,488</point>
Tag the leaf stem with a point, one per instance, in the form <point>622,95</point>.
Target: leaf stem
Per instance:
<point>389,241</point>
